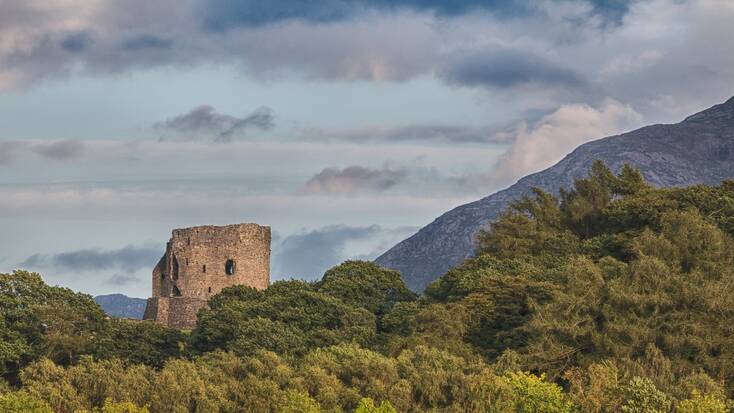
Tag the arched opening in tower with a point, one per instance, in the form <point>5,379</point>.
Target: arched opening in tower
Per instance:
<point>229,267</point>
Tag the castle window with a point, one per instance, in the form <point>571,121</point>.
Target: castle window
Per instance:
<point>210,290</point>
<point>176,292</point>
<point>229,267</point>
<point>203,269</point>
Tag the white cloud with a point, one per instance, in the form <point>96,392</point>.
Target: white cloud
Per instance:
<point>627,64</point>
<point>557,134</point>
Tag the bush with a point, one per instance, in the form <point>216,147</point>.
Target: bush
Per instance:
<point>21,402</point>
<point>533,394</point>
<point>641,396</point>
<point>368,406</point>
<point>705,403</point>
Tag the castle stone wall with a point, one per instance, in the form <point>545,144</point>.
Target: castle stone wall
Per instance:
<point>199,262</point>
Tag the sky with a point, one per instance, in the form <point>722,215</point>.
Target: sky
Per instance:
<point>345,125</point>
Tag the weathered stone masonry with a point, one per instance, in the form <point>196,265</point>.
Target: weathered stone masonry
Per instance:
<point>200,262</point>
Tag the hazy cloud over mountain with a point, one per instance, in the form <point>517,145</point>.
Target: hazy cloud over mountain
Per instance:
<point>557,134</point>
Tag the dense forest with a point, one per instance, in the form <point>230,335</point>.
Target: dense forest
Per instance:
<point>611,297</point>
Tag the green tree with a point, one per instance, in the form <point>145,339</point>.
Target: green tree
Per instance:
<point>119,407</point>
<point>368,373</point>
<point>365,284</point>
<point>37,320</point>
<point>290,317</point>
<point>368,405</point>
<point>641,396</point>
<point>182,387</point>
<point>703,403</point>
<point>438,379</point>
<point>88,384</point>
<point>533,394</point>
<point>21,402</point>
<point>143,342</point>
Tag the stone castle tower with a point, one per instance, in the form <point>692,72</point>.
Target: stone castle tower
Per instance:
<point>200,262</point>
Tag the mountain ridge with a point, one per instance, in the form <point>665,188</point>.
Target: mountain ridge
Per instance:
<point>699,149</point>
<point>122,306</point>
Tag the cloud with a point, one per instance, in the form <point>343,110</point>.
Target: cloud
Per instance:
<point>154,183</point>
<point>353,179</point>
<point>206,122</point>
<point>129,259</point>
<point>419,132</point>
<point>7,151</point>
<point>566,50</point>
<point>411,178</point>
<point>308,254</point>
<point>375,40</point>
<point>506,68</point>
<point>222,15</point>
<point>147,41</point>
<point>121,280</point>
<point>557,134</point>
<point>77,42</point>
<point>59,150</point>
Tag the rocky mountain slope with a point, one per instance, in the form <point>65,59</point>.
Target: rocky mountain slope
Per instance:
<point>119,305</point>
<point>699,149</point>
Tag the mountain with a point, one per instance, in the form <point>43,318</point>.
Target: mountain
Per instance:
<point>700,149</point>
<point>119,305</point>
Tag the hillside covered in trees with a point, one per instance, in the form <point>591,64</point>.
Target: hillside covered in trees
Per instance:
<point>612,297</point>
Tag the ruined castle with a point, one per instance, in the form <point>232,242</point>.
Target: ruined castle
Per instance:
<point>199,262</point>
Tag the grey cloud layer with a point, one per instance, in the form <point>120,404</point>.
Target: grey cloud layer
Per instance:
<point>561,49</point>
<point>7,151</point>
<point>308,254</point>
<point>503,68</point>
<point>419,132</point>
<point>407,179</point>
<point>204,122</point>
<point>129,259</point>
<point>559,45</point>
<point>353,179</point>
<point>120,280</point>
<point>60,150</point>
<point>222,15</point>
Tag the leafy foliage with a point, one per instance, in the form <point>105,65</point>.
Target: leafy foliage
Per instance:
<point>139,342</point>
<point>612,296</point>
<point>37,320</point>
<point>290,317</point>
<point>21,402</point>
<point>365,284</point>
